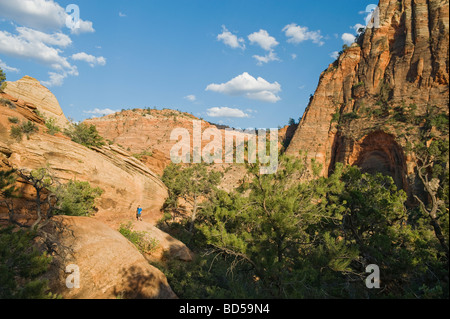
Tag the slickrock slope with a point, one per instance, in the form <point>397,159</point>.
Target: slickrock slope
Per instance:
<point>109,265</point>
<point>403,63</point>
<point>126,181</point>
<point>38,97</point>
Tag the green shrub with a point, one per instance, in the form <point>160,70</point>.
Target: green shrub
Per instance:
<point>336,116</point>
<point>39,114</point>
<point>76,198</point>
<point>142,154</point>
<point>358,84</point>
<point>84,134</point>
<point>52,128</point>
<point>16,133</point>
<point>13,120</point>
<point>350,116</point>
<point>7,103</point>
<point>21,266</point>
<point>27,128</point>
<point>2,80</point>
<point>140,239</point>
<point>440,121</point>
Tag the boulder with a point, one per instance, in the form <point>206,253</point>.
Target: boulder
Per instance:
<point>108,265</point>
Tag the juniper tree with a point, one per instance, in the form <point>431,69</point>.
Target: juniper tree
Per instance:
<point>193,184</point>
<point>84,134</point>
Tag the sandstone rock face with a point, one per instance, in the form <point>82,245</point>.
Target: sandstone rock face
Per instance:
<point>404,61</point>
<point>144,130</point>
<point>126,181</point>
<point>109,265</point>
<point>147,135</point>
<point>375,152</point>
<point>37,96</point>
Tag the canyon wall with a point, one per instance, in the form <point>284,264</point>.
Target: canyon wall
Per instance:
<point>403,61</point>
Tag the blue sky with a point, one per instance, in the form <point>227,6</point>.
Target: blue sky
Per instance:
<point>242,63</point>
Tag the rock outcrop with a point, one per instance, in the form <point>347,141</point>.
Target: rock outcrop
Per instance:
<point>38,97</point>
<point>167,245</point>
<point>126,182</point>
<point>146,133</point>
<point>402,62</point>
<point>108,265</point>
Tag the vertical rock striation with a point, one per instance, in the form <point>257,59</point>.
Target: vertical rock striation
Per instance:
<point>402,62</point>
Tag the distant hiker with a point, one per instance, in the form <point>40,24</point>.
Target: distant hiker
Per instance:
<point>139,213</point>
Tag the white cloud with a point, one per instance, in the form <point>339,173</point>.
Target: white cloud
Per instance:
<point>7,68</point>
<point>263,39</point>
<point>55,39</point>
<point>98,111</point>
<point>293,56</point>
<point>271,56</point>
<point>35,45</point>
<point>56,79</point>
<point>92,60</point>
<point>249,87</point>
<point>226,112</point>
<point>39,14</point>
<point>334,54</point>
<point>358,26</point>
<point>122,15</point>
<point>24,46</point>
<point>39,35</point>
<point>191,98</point>
<point>230,39</point>
<point>348,38</point>
<point>83,27</point>
<point>298,34</point>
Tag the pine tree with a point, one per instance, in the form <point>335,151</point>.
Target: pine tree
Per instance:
<point>21,266</point>
<point>193,184</point>
<point>2,80</point>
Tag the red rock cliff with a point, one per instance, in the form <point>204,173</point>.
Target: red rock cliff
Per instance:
<point>404,61</point>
